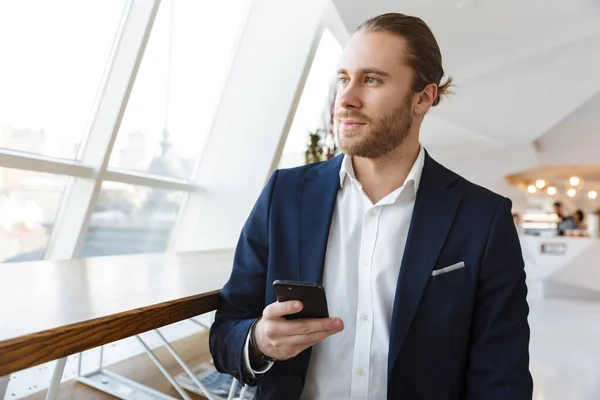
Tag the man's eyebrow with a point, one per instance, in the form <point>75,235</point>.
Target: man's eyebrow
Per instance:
<point>365,71</point>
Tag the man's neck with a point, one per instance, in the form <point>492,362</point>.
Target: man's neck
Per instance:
<point>380,177</point>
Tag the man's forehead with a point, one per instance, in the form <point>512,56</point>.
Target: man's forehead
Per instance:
<point>373,50</point>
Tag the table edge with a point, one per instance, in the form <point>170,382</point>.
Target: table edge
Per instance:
<point>33,349</point>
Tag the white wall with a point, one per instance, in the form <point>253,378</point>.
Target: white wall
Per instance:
<point>253,114</point>
<point>575,140</point>
<point>486,167</point>
<point>331,20</point>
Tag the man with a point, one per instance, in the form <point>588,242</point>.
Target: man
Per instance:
<point>423,270</point>
<point>563,221</point>
<point>558,210</point>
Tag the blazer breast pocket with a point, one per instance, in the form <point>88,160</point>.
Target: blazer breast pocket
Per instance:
<point>452,275</point>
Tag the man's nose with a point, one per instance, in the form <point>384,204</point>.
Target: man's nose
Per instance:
<point>349,97</point>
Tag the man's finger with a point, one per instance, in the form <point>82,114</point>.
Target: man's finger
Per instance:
<point>278,310</point>
<point>309,325</point>
<point>309,339</point>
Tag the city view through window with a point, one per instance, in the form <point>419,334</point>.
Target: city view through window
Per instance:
<point>51,85</point>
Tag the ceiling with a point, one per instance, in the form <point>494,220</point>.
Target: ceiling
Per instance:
<point>527,90</point>
<point>553,174</point>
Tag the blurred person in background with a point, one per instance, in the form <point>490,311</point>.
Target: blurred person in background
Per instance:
<point>579,219</point>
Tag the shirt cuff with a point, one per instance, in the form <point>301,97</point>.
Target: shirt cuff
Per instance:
<point>253,372</point>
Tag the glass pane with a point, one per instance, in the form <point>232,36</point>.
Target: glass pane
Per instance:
<point>172,105</point>
<point>53,58</point>
<point>131,219</point>
<point>29,202</point>
<point>313,110</point>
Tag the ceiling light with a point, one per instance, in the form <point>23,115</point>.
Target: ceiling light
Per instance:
<point>540,183</point>
<point>574,181</point>
<point>551,190</point>
<point>571,192</point>
<point>592,194</point>
<point>532,189</point>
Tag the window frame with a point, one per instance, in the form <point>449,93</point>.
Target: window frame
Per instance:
<point>90,169</point>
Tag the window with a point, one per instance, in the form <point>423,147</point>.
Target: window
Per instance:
<point>178,86</point>
<point>29,202</point>
<point>313,109</point>
<point>53,57</point>
<point>131,219</point>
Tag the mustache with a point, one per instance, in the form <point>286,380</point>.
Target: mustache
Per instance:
<point>347,114</point>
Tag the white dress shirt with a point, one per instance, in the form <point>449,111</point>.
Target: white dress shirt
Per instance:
<point>364,253</point>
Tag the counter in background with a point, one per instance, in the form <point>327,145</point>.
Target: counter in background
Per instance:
<point>562,266</point>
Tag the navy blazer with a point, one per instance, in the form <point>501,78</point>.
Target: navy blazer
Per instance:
<point>458,335</point>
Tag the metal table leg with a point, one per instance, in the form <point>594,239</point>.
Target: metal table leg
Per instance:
<point>117,385</point>
<point>232,389</point>
<point>127,389</point>
<point>4,385</point>
<point>202,324</point>
<point>164,371</point>
<point>243,392</point>
<point>187,370</point>
<point>56,378</point>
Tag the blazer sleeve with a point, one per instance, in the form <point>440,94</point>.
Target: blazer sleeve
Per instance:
<point>498,366</point>
<point>243,296</point>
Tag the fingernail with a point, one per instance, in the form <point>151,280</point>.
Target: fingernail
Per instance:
<point>338,325</point>
<point>296,306</point>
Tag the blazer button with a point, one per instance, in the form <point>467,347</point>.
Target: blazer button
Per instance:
<point>297,380</point>
<point>235,374</point>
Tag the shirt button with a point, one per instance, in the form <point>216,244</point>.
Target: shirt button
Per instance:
<point>372,213</point>
<point>360,372</point>
<point>364,317</point>
<point>365,263</point>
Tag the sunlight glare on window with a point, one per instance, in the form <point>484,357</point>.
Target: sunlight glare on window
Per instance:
<point>54,55</point>
<point>313,108</point>
<point>172,104</point>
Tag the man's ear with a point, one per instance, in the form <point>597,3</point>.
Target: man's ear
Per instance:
<point>425,99</point>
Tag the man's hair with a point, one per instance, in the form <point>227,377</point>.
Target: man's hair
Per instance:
<point>424,55</point>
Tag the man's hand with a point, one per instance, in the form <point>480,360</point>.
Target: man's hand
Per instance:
<point>280,338</point>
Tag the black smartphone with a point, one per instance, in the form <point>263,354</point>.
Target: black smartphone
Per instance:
<point>312,295</point>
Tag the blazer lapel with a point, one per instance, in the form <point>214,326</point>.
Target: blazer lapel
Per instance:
<point>318,195</point>
<point>435,207</point>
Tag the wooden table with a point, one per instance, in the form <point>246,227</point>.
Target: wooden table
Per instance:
<point>52,309</point>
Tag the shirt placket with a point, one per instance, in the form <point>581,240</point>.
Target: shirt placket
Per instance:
<point>364,309</point>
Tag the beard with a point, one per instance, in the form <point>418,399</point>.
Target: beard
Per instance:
<point>380,137</point>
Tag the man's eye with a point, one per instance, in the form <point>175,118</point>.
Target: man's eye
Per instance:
<point>343,79</point>
<point>371,79</point>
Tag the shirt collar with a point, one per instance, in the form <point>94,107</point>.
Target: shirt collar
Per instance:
<point>347,170</point>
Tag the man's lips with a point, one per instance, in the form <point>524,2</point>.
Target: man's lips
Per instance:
<point>351,123</point>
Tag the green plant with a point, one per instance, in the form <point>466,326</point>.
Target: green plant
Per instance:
<point>314,150</point>
<point>320,146</point>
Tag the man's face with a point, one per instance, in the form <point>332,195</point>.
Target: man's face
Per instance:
<point>374,102</point>
<point>558,209</point>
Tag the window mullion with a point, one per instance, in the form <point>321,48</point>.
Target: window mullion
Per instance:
<point>80,198</point>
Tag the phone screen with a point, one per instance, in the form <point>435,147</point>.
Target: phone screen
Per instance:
<point>311,295</point>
